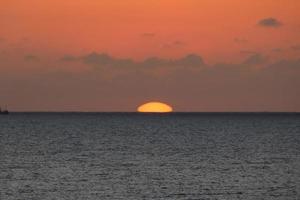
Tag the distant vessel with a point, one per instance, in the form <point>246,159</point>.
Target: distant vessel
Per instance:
<point>4,112</point>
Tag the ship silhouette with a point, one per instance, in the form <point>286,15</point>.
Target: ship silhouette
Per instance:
<point>4,112</point>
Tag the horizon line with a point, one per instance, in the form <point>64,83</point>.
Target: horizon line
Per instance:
<point>176,112</point>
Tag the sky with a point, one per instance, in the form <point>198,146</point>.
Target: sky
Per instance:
<point>104,55</point>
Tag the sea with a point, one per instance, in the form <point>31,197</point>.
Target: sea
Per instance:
<point>203,156</point>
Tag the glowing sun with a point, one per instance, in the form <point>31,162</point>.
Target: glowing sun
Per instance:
<point>155,107</point>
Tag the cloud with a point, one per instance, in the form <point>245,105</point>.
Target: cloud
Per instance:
<point>104,60</point>
<point>223,87</point>
<point>248,52</point>
<point>31,58</point>
<point>286,65</point>
<point>174,44</point>
<point>178,43</point>
<point>277,50</point>
<point>240,40</point>
<point>98,59</point>
<point>269,22</point>
<point>190,60</point>
<point>68,58</point>
<point>154,61</point>
<point>295,47</point>
<point>255,59</point>
<point>148,35</point>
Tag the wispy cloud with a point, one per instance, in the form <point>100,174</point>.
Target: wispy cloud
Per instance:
<point>240,40</point>
<point>277,50</point>
<point>248,52</point>
<point>31,58</point>
<point>174,44</point>
<point>295,47</point>
<point>68,58</point>
<point>148,35</point>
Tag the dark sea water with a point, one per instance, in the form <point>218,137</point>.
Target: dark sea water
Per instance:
<point>136,156</point>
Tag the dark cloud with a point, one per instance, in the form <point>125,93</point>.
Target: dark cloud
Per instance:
<point>31,58</point>
<point>255,59</point>
<point>222,87</point>
<point>105,60</point>
<point>295,47</point>
<point>269,22</point>
<point>97,59</point>
<point>190,60</point>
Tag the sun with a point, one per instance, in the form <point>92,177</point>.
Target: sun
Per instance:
<point>155,107</point>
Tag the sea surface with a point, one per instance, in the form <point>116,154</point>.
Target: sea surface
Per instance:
<point>205,156</point>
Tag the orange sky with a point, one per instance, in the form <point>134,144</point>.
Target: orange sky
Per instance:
<point>207,27</point>
<point>217,30</point>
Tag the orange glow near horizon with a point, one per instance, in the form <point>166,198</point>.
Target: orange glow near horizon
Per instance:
<point>155,107</point>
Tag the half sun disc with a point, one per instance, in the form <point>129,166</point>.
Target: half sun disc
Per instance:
<point>155,107</point>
